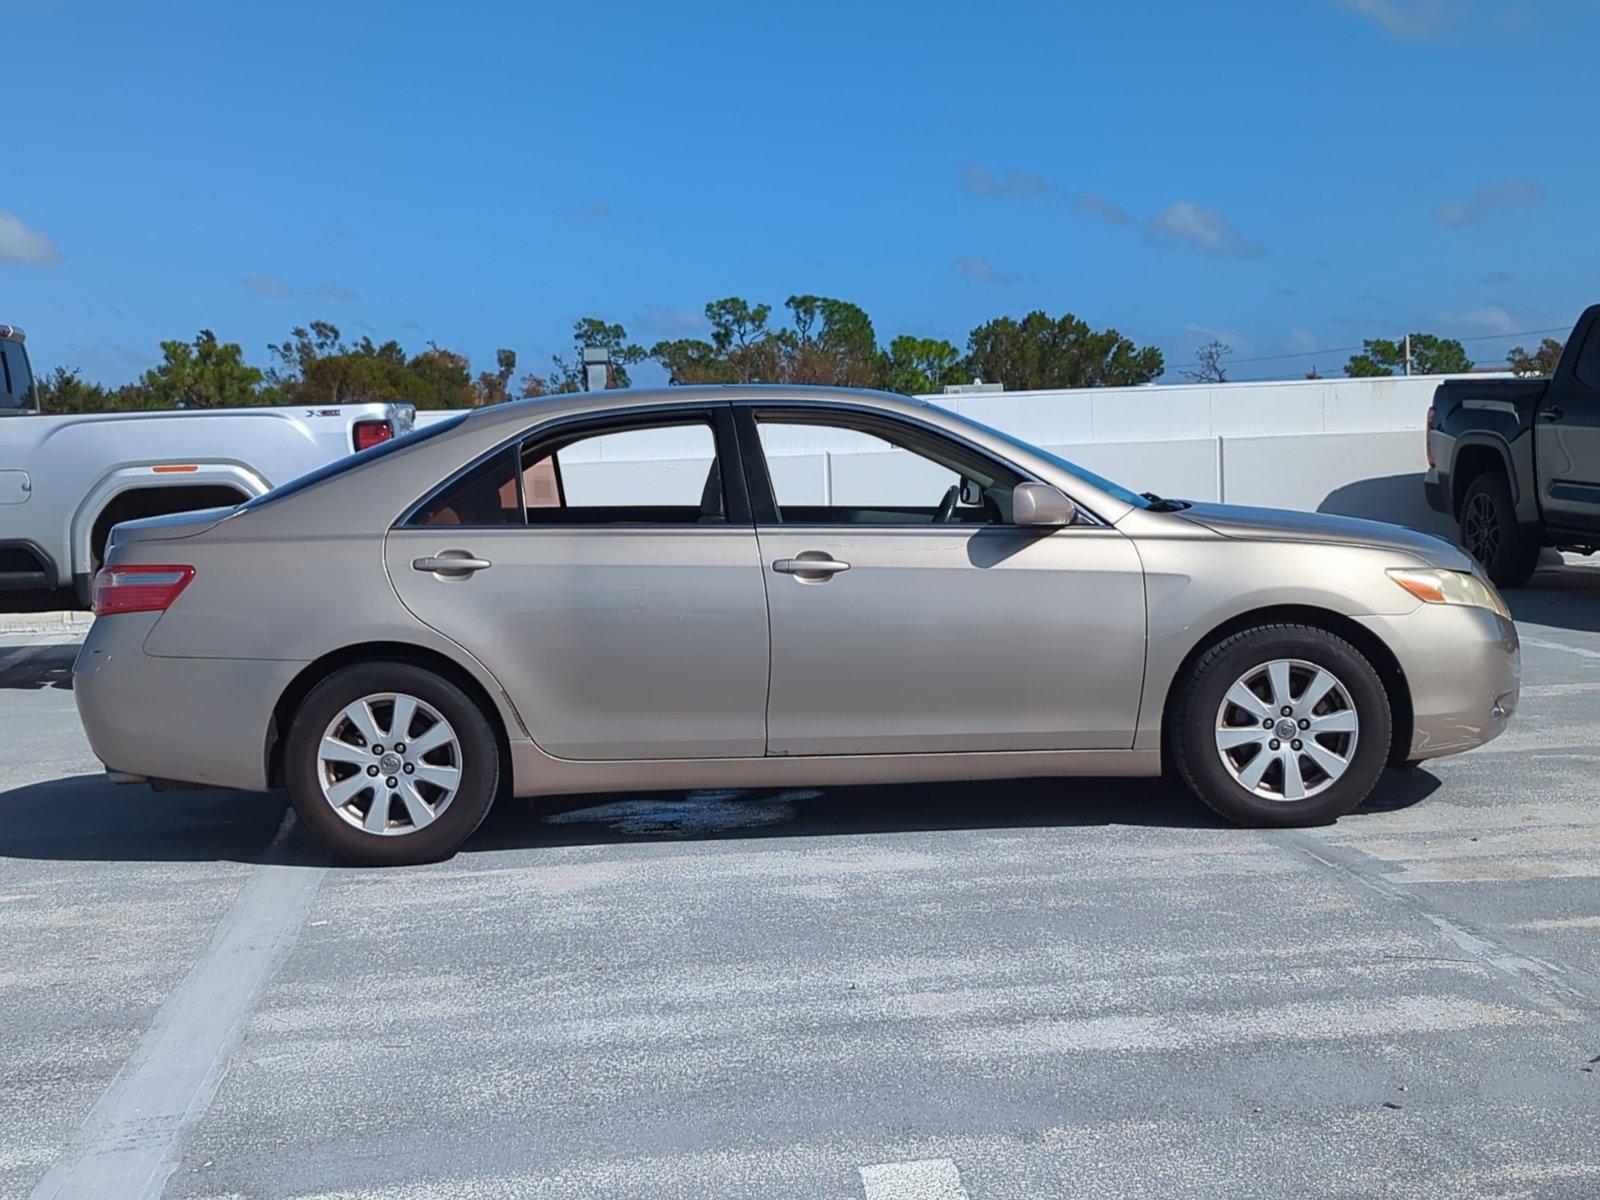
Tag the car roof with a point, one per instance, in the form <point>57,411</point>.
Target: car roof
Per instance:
<point>613,399</point>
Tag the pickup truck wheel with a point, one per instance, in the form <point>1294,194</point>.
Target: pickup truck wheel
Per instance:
<point>388,763</point>
<point>1491,534</point>
<point>1281,725</point>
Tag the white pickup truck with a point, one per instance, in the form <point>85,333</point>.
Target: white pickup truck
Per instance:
<point>66,480</point>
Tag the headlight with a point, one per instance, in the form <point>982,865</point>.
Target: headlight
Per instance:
<point>1450,587</point>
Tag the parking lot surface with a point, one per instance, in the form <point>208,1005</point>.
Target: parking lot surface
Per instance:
<point>992,991</point>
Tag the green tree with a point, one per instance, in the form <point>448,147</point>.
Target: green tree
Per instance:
<point>735,323</point>
<point>1541,362</point>
<point>915,366</point>
<point>62,391</point>
<point>1430,355</point>
<point>568,375</point>
<point>692,360</point>
<point>1041,351</point>
<point>205,373</point>
<point>832,343</point>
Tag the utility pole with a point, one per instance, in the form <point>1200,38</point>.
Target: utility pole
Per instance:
<point>1408,354</point>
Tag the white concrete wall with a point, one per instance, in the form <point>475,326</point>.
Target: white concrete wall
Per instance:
<point>1349,446</point>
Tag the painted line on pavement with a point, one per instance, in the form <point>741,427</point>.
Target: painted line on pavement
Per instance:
<point>1550,986</point>
<point>1543,645</point>
<point>927,1179</point>
<point>126,1147</point>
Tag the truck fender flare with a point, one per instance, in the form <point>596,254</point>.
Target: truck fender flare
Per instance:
<point>1517,460</point>
<point>142,478</point>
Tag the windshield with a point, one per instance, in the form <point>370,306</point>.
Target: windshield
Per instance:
<point>1071,468</point>
<point>360,458</point>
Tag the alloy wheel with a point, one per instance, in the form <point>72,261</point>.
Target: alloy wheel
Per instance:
<point>1480,528</point>
<point>1286,730</point>
<point>389,764</point>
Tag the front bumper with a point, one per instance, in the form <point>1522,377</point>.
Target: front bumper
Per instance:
<point>1463,667</point>
<point>192,720</point>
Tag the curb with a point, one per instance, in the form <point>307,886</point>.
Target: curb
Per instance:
<point>66,623</point>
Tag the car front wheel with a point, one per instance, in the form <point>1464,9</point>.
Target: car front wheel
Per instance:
<point>1281,725</point>
<point>389,763</point>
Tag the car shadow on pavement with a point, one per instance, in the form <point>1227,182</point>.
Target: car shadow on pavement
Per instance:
<point>1562,597</point>
<point>89,819</point>
<point>32,667</point>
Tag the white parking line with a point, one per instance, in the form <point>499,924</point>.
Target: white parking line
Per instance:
<point>929,1179</point>
<point>125,1147</point>
<point>1543,645</point>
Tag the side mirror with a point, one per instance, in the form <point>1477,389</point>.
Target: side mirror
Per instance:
<point>1041,504</point>
<point>971,493</point>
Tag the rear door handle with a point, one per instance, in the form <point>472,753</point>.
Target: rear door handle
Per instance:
<point>820,567</point>
<point>451,563</point>
<point>1554,413</point>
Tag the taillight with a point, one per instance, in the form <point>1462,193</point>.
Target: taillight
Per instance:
<point>1427,436</point>
<point>368,434</point>
<point>138,588</point>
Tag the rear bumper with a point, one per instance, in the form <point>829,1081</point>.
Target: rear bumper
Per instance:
<point>1438,495</point>
<point>1463,667</point>
<point>194,720</point>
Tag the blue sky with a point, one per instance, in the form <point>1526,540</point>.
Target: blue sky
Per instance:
<point>1288,175</point>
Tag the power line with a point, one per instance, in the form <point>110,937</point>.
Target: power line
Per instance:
<point>1479,337</point>
<point>1484,337</point>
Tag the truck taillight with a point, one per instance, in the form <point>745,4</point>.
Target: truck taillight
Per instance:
<point>1427,436</point>
<point>138,588</point>
<point>368,434</point>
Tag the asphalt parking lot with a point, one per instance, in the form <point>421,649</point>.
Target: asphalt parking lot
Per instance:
<point>1001,991</point>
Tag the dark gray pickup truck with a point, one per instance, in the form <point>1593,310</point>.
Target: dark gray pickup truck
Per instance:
<point>1517,462</point>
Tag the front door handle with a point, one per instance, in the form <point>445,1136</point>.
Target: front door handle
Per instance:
<point>451,562</point>
<point>1554,413</point>
<point>813,565</point>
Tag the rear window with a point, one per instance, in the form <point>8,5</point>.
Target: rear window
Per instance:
<point>16,381</point>
<point>350,461</point>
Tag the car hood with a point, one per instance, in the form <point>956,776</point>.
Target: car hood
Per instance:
<point>176,525</point>
<point>1286,525</point>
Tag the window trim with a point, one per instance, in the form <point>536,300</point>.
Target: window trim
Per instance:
<point>717,415</point>
<point>763,498</point>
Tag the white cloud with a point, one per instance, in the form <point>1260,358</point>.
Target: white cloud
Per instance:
<point>1495,279</point>
<point>595,210</point>
<point>1013,185</point>
<point>1404,18</point>
<point>1193,226</point>
<point>275,288</point>
<point>269,286</point>
<point>106,355</point>
<point>20,244</point>
<point>1492,317</point>
<point>330,291</point>
<point>665,321</point>
<point>1494,198</point>
<point>1092,204</point>
<point>980,270</point>
<point>1300,340</point>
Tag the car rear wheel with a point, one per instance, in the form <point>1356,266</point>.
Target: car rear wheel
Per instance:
<point>1491,534</point>
<point>1281,725</point>
<point>389,763</point>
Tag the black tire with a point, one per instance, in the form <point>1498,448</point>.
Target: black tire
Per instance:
<point>1491,533</point>
<point>479,766</point>
<point>1192,734</point>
